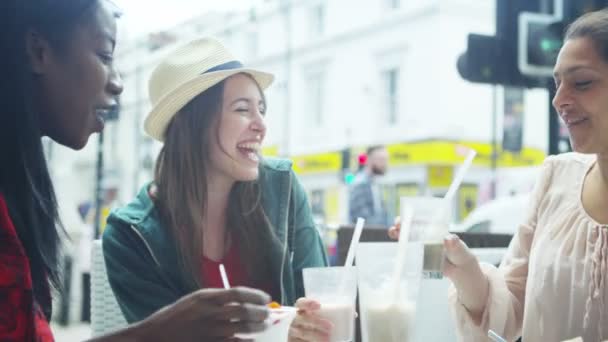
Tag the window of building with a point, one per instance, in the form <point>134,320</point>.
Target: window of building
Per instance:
<point>315,82</point>
<point>317,20</point>
<point>158,40</point>
<point>252,44</point>
<point>390,94</point>
<point>393,4</point>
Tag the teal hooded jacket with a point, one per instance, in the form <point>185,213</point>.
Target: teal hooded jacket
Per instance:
<point>141,255</point>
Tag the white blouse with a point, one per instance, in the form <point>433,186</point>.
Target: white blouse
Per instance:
<point>551,284</point>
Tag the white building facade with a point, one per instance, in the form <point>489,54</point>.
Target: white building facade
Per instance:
<point>349,74</point>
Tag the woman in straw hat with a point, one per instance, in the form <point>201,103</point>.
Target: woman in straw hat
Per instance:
<point>58,80</point>
<point>213,200</point>
<point>552,284</point>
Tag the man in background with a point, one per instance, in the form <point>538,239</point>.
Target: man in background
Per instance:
<point>365,197</point>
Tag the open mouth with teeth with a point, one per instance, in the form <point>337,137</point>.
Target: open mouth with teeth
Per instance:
<point>102,114</point>
<point>105,113</point>
<point>250,150</point>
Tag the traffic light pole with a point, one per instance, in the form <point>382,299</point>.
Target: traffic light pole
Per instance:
<point>98,192</point>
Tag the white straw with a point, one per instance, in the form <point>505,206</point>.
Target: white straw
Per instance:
<point>407,215</point>
<point>224,277</point>
<point>447,199</point>
<point>495,337</point>
<point>350,255</point>
<point>460,175</point>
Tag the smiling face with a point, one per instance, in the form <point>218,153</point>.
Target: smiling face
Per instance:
<point>76,83</point>
<point>235,147</point>
<point>581,78</point>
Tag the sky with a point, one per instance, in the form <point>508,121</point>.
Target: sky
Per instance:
<point>143,16</point>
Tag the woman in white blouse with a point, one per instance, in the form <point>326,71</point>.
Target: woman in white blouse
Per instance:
<point>552,284</point>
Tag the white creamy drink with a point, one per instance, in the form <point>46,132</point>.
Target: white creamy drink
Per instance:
<point>389,282</point>
<point>388,322</point>
<point>386,316</point>
<point>342,315</point>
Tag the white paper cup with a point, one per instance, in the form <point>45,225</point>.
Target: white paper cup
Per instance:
<point>335,288</point>
<point>278,322</point>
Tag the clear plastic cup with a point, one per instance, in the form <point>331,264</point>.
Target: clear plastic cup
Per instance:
<point>335,288</point>
<point>278,323</point>
<point>388,313</point>
<point>430,224</point>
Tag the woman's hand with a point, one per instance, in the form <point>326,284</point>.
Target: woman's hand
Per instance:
<point>463,269</point>
<point>207,315</point>
<point>395,229</point>
<point>308,326</point>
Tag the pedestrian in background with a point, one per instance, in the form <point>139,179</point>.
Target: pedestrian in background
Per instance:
<point>365,195</point>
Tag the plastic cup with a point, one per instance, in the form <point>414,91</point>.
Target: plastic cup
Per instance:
<point>387,314</point>
<point>430,224</point>
<point>335,288</point>
<point>278,323</point>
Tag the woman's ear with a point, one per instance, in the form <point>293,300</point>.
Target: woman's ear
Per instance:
<point>38,52</point>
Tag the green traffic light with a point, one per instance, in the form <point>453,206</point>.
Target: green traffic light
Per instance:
<point>349,178</point>
<point>547,44</point>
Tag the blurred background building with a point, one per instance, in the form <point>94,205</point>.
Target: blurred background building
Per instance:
<point>349,74</point>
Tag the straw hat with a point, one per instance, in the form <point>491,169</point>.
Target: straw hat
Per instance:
<point>185,73</point>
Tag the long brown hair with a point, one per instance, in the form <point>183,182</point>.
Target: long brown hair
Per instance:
<point>181,177</point>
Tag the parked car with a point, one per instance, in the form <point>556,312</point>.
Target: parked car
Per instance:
<point>500,216</point>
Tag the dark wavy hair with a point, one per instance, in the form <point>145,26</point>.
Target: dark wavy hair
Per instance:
<point>24,177</point>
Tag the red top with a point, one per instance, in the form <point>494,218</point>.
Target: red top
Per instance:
<point>235,270</point>
<point>20,317</point>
